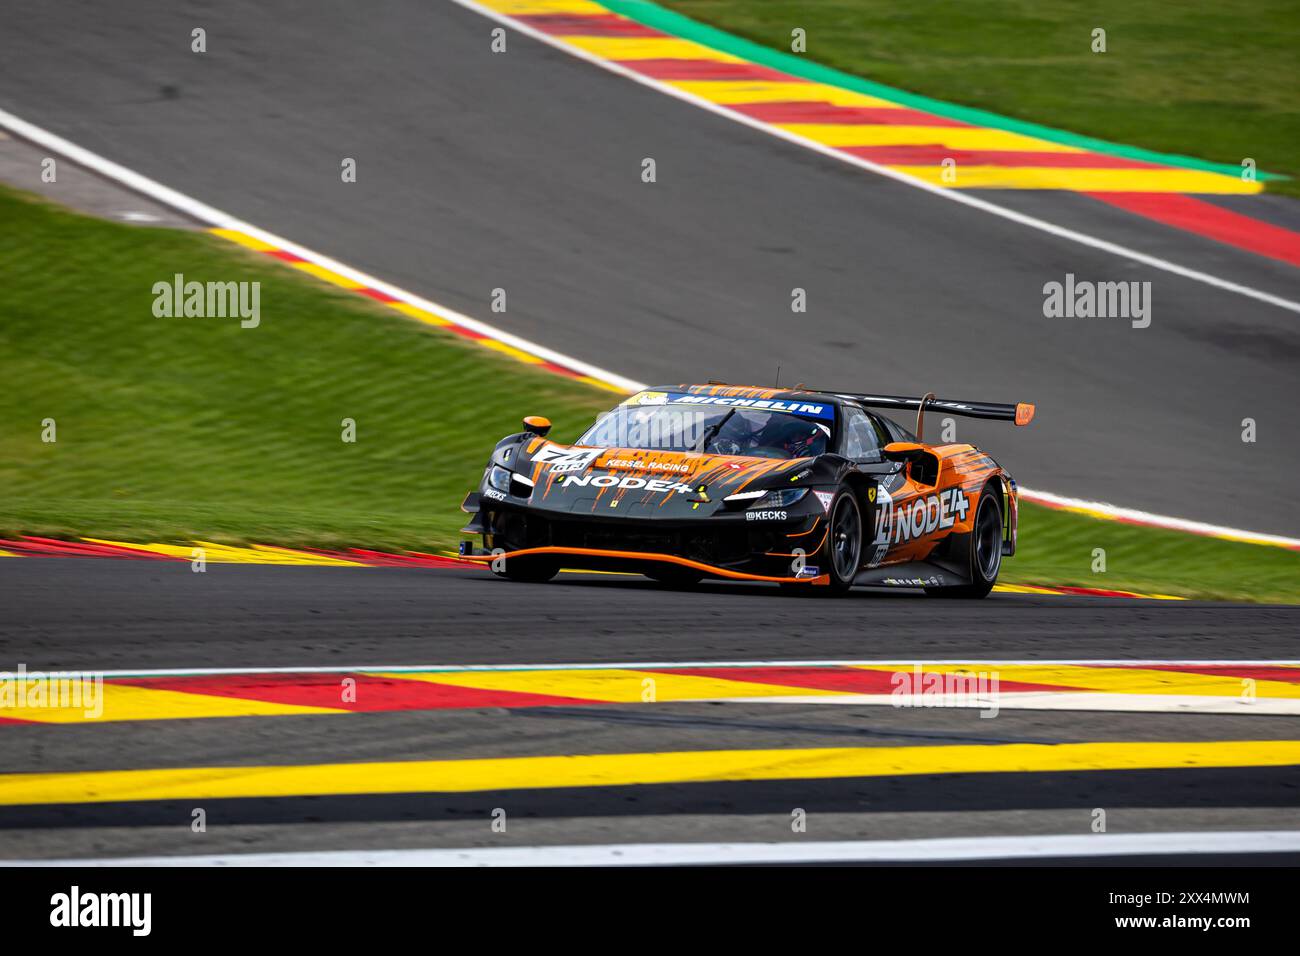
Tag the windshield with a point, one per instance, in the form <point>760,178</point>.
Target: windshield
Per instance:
<point>712,429</point>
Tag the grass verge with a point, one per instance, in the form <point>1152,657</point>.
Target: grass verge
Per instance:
<point>172,429</point>
<point>182,429</point>
<point>1189,77</point>
<point>1057,548</point>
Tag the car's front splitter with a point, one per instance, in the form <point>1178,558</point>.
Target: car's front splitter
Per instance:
<point>633,558</point>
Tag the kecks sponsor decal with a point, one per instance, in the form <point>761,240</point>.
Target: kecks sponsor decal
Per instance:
<point>765,515</point>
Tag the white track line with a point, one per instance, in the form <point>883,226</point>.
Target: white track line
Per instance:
<point>219,219</point>
<point>1159,521</point>
<point>666,665</point>
<point>673,854</point>
<point>1090,701</point>
<point>949,194</point>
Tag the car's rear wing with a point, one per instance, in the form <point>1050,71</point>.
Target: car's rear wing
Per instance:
<point>1022,413</point>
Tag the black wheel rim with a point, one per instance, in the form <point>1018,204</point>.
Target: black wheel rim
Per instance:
<point>846,539</point>
<point>988,541</point>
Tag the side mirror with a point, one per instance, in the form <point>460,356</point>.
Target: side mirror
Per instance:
<point>903,450</point>
<point>538,425</point>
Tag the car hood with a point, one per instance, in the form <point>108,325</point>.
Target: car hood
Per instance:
<point>632,482</point>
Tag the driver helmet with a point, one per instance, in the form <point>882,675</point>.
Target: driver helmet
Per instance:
<point>799,438</point>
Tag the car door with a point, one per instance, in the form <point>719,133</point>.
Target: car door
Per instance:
<point>912,513</point>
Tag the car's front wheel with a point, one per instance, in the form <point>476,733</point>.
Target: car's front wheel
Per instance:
<point>841,554</point>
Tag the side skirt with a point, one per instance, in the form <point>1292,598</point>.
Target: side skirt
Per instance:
<point>911,574</point>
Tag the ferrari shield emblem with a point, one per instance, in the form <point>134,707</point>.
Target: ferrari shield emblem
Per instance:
<point>871,495</point>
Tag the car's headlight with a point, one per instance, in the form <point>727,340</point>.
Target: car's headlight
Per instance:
<point>499,478</point>
<point>768,499</point>
<point>783,498</point>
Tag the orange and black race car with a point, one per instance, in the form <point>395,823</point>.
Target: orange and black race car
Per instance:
<point>806,489</point>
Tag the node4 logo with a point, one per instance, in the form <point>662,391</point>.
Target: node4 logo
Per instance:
<point>896,523</point>
<point>610,481</point>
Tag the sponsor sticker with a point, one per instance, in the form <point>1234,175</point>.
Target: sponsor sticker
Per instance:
<point>821,410</point>
<point>627,481</point>
<point>765,515</point>
<point>638,464</point>
<point>825,497</point>
<point>884,502</point>
<point>934,581</point>
<point>897,522</point>
<point>563,460</point>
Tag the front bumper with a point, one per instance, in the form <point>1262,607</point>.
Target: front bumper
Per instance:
<point>728,547</point>
<point>595,559</point>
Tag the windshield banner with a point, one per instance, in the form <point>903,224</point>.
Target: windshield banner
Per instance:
<point>820,410</point>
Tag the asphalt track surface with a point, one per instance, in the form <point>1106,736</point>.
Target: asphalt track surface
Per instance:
<point>521,171</point>
<point>103,614</point>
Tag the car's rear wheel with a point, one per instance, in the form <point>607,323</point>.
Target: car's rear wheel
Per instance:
<point>983,550</point>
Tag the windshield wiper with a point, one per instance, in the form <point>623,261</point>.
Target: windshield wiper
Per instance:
<point>712,431</point>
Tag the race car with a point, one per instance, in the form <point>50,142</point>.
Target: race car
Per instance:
<point>810,490</point>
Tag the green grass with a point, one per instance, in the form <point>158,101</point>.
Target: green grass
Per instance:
<point>182,429</point>
<point>172,429</point>
<point>1193,77</point>
<point>1056,548</point>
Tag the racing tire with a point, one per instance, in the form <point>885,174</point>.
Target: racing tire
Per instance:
<point>984,550</point>
<point>530,570</point>
<point>840,557</point>
<point>675,576</point>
